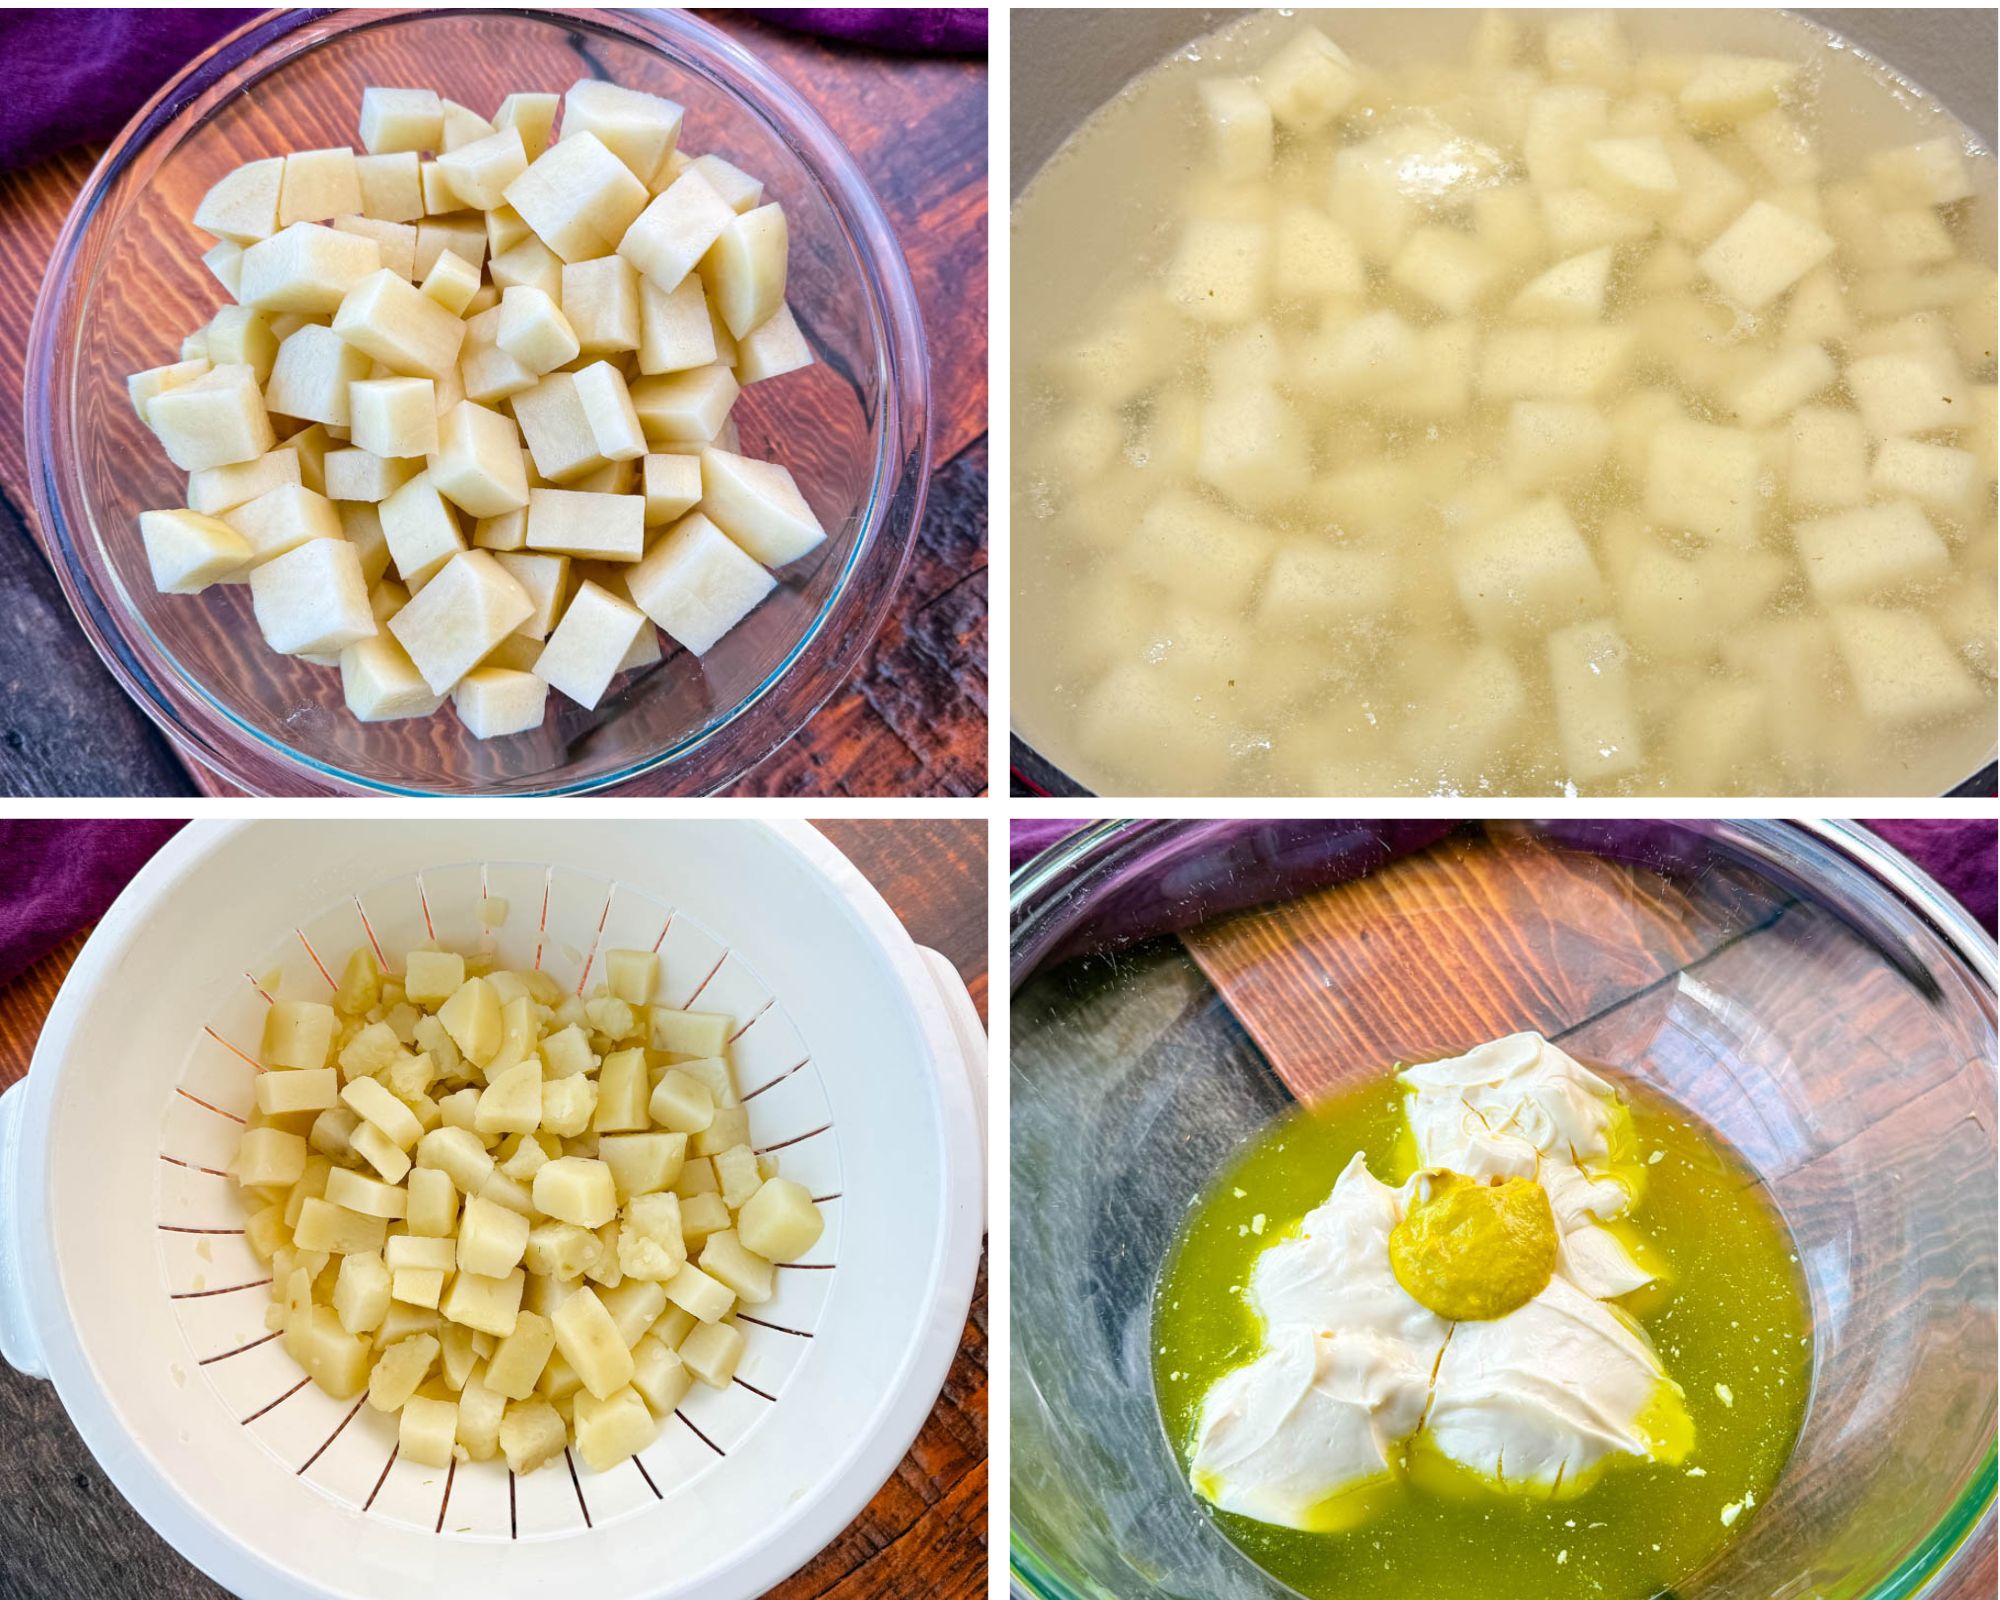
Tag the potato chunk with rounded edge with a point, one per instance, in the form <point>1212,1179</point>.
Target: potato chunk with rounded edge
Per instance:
<point>780,1222</point>
<point>532,1430</point>
<point>612,1429</point>
<point>591,1343</point>
<point>712,1351</point>
<point>577,1190</point>
<point>491,1239</point>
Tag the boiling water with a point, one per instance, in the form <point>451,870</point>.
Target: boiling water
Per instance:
<point>1320,628</point>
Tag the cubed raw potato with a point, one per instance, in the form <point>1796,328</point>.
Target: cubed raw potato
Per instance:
<point>1554,441</point>
<point>361,477</point>
<point>269,1158</point>
<point>596,527</point>
<point>532,1432</point>
<point>1445,267</point>
<point>685,408</point>
<point>726,1259</point>
<point>1527,569</point>
<point>1705,480</point>
<point>361,1292</point>
<point>1854,554</point>
<point>1938,477</point>
<point>1314,586</point>
<point>215,419</point>
<point>771,349</point>
<point>458,233</point>
<point>480,170</point>
<point>532,116</point>
<point>519,1358</point>
<point>557,428</point>
<point>462,126</point>
<point>1201,552</point>
<point>757,503</point>
<point>307,268</point>
<point>703,1297</point>
<point>1729,89</point>
<point>608,411</point>
<point>462,613</point>
<point>1597,723</point>
<point>243,207</point>
<point>1781,385</point>
<point>391,188</point>
<point>496,702</point>
<point>675,331</point>
<point>491,1239</point>
<point>1561,121</point>
<point>491,1305</point>
<point>1552,363</point>
<point>1931,173</point>
<point>1569,291</point>
<point>401,119</point>
<point>640,129</point>
<point>1763,253</point>
<point>1220,271</point>
<point>421,530</point>
<point>394,417</point>
<point>312,600</point>
<point>1903,670</point>
<point>577,1190</point>
<point>676,230</point>
<point>697,584</point>
<point>744,269</point>
<point>336,1230</point>
<point>1309,82</point>
<point>393,322</point>
<point>1579,220</point>
<point>1240,136</point>
<point>600,302</point>
<point>1635,173</point>
<point>534,331</point>
<point>397,242</point>
<point>143,386</point>
<point>673,485</point>
<point>187,551</point>
<point>584,653</point>
<point>1895,394</point>
<point>547,582</point>
<point>312,377</point>
<point>1312,259</point>
<point>238,336</point>
<point>1827,460</point>
<point>578,197</point>
<point>591,1343</point>
<point>780,1222</point>
<point>477,465</point>
<point>318,184</point>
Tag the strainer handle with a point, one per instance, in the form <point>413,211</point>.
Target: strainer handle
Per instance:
<point>970,1035</point>
<point>17,1334</point>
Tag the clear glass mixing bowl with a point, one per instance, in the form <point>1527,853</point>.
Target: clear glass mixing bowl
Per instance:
<point>1834,1019</point>
<point>126,281</point>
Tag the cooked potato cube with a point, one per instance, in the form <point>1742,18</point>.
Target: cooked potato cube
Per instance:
<point>1728,89</point>
<point>725,1258</point>
<point>1221,269</point>
<point>371,1102</point>
<point>612,1429</point>
<point>368,1196</point>
<point>659,1375</point>
<point>491,1305</point>
<point>1570,291</point>
<point>643,1163</point>
<point>1704,480</point>
<point>1763,253</point>
<point>1903,670</point>
<point>577,1190</point>
<point>427,1430</point>
<point>400,1370</point>
<point>681,1103</point>
<point>432,1204</point>
<point>1309,82</point>
<point>1858,553</point>
<point>711,1353</point>
<point>780,1222</point>
<point>334,1359</point>
<point>282,1093</point>
<point>650,1244</point>
<point>1937,476</point>
<point>269,1158</point>
<point>361,1292</point>
<point>591,1343</point>
<point>532,1431</point>
<point>491,1239</point>
<point>694,1291</point>
<point>338,1231</point>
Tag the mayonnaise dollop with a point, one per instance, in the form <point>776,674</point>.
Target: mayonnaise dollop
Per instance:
<point>1355,1377</point>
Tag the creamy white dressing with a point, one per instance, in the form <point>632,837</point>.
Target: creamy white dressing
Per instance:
<point>1355,1372</point>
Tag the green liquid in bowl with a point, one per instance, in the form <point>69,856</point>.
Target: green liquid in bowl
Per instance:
<point>1731,1316</point>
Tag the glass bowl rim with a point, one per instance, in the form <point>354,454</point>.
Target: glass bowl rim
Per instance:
<point>1033,888</point>
<point>195,722</point>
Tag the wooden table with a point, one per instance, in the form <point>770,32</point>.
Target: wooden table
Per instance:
<point>66,1534</point>
<point>912,720</point>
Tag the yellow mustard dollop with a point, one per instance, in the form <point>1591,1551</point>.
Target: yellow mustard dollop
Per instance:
<point>1473,1250</point>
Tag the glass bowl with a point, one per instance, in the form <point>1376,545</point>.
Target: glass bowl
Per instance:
<point>1811,995</point>
<point>126,281</point>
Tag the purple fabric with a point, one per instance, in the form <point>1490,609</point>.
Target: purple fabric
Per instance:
<point>75,76</point>
<point>57,877</point>
<point>920,30</point>
<point>1960,855</point>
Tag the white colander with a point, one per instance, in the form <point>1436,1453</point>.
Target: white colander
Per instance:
<point>124,1275</point>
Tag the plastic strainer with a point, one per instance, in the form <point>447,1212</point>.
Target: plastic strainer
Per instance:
<point>125,1278</point>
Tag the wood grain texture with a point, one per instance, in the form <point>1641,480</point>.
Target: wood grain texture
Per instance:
<point>911,719</point>
<point>66,1533</point>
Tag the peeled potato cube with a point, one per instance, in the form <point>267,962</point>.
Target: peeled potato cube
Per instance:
<point>399,1370</point>
<point>306,268</point>
<point>361,1292</point>
<point>336,1230</point>
<point>1220,269</point>
<point>269,1158</point>
<point>588,526</point>
<point>758,504</point>
<point>1895,394</point>
<point>1938,476</point>
<point>312,600</point>
<point>1780,385</point>
<point>675,332</point>
<point>577,1190</point>
<point>780,1222</point>
<point>640,129</point>
<point>682,1103</point>
<point>621,1092</point>
<point>612,1429</point>
<point>1596,720</point>
<point>726,1259</point>
<point>1902,668</point>
<point>478,462</point>
<point>771,349</point>
<point>281,1093</point>
<point>401,119</point>
<point>591,1343</point>
<point>1728,89</point>
<point>1763,253</point>
<point>676,230</point>
<point>215,419</point>
<point>491,1305</point>
<point>712,1352</point>
<point>697,584</point>
<point>1570,291</point>
<point>432,1204</point>
<point>643,1163</point>
<point>243,207</point>
<point>632,975</point>
<point>1239,127</point>
<point>518,1359</point>
<point>462,613</point>
<point>1853,554</point>
<point>1932,172</point>
<point>333,1358</point>
<point>1309,82</point>
<point>651,1245</point>
<point>480,170</point>
<point>685,408</point>
<point>491,1239</point>
<point>534,331</point>
<point>578,197</point>
<point>744,269</point>
<point>365,1196</point>
<point>187,551</point>
<point>659,1375</point>
<point>694,1291</point>
<point>427,1430</point>
<point>1703,480</point>
<point>498,702</point>
<point>532,1431</point>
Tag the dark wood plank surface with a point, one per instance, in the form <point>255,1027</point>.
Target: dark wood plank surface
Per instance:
<point>911,720</point>
<point>66,1534</point>
<point>1428,955</point>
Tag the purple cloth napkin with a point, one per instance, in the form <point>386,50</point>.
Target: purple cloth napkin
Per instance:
<point>919,30</point>
<point>57,877</point>
<point>76,75</point>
